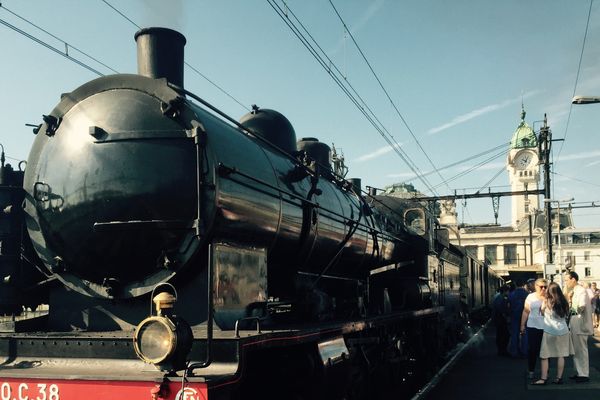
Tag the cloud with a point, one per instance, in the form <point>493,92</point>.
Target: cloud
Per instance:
<point>379,152</point>
<point>463,168</point>
<point>477,113</point>
<point>580,156</point>
<point>402,175</point>
<point>373,8</point>
<point>366,17</point>
<point>494,165</point>
<point>593,163</point>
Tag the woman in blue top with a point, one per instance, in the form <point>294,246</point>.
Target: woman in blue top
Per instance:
<point>556,338</point>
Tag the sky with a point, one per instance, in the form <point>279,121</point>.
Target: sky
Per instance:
<point>445,80</point>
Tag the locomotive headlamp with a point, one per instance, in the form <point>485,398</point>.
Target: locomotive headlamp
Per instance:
<point>163,340</point>
<point>155,339</point>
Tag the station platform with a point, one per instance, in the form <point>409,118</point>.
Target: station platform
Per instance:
<point>479,373</point>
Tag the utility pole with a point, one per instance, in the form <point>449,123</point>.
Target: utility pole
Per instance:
<point>530,239</point>
<point>545,143</point>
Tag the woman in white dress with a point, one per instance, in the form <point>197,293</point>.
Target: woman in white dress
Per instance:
<point>556,338</point>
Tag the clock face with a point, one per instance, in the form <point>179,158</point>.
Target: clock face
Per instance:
<point>523,160</point>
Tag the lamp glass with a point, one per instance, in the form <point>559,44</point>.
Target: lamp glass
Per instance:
<point>154,340</point>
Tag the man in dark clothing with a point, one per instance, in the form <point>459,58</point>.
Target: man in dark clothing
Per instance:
<point>516,301</point>
<point>500,315</point>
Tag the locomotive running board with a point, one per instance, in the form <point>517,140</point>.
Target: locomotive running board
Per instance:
<point>157,224</point>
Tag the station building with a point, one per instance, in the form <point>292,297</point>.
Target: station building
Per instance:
<point>519,251</point>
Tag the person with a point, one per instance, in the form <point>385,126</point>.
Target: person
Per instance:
<point>596,305</point>
<point>556,339</point>
<point>516,302</point>
<point>530,285</point>
<point>590,291</point>
<point>500,313</point>
<point>581,326</point>
<point>533,320</point>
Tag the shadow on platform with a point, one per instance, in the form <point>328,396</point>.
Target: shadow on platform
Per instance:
<point>481,374</point>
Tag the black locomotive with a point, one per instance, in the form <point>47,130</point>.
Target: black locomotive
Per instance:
<point>270,273</point>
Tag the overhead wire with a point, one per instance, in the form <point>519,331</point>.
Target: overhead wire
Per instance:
<point>496,175</point>
<point>344,84</point>
<point>462,161</point>
<point>476,166</point>
<point>587,25</point>
<point>67,45</point>
<point>575,179</point>
<point>122,14</point>
<point>50,47</point>
<point>339,80</point>
<point>387,94</point>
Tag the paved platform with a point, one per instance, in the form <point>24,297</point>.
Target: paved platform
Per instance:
<point>481,374</point>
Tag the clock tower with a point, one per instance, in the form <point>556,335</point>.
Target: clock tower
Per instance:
<point>523,170</point>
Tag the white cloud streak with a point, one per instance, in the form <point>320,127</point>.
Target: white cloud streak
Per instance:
<point>364,19</point>
<point>581,156</point>
<point>379,152</point>
<point>371,11</point>
<point>477,113</point>
<point>402,175</point>
<point>495,165</point>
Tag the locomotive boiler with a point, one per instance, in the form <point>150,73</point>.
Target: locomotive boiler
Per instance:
<point>128,181</point>
<point>259,257</point>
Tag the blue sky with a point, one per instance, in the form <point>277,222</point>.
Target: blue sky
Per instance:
<point>457,72</point>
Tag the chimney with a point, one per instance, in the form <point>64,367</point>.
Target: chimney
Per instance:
<point>160,54</point>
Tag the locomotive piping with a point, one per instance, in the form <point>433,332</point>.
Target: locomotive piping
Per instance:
<point>189,369</point>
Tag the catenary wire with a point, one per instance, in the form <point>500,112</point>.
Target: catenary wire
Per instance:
<point>496,175</point>
<point>121,14</point>
<point>575,179</point>
<point>67,45</point>
<point>436,170</point>
<point>50,47</point>
<point>342,82</point>
<point>470,158</point>
<point>476,166</point>
<point>587,25</point>
<point>185,62</point>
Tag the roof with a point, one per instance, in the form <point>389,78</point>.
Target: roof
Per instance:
<point>524,136</point>
<point>488,229</point>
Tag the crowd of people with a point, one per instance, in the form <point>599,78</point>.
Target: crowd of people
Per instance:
<point>540,320</point>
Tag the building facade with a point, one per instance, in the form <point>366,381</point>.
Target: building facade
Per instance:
<point>573,249</point>
<point>509,250</point>
<point>520,250</point>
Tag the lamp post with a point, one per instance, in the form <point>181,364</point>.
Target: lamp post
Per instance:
<point>559,264</point>
<point>585,100</point>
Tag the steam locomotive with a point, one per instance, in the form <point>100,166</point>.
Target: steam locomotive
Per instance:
<point>153,247</point>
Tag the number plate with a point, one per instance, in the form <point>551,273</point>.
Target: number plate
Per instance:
<point>61,389</point>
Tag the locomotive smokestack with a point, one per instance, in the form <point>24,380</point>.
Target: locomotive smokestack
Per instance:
<point>160,54</point>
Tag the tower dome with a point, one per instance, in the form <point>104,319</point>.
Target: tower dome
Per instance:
<point>524,135</point>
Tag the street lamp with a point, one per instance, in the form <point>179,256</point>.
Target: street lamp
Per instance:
<point>585,100</point>
<point>558,203</point>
